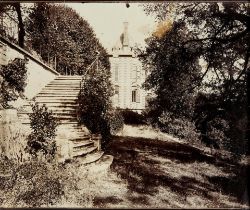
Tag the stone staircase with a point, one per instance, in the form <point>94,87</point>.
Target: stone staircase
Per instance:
<point>73,141</point>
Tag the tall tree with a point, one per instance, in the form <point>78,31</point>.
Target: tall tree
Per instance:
<point>205,47</point>
<point>58,32</point>
<point>17,8</point>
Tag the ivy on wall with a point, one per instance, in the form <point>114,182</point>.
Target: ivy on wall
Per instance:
<point>12,81</point>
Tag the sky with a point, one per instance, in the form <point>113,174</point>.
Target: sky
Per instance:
<point>107,21</point>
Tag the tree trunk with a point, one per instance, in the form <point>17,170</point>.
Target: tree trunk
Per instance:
<point>21,31</point>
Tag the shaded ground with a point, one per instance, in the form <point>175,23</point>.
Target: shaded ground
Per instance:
<point>170,174</point>
<point>146,173</point>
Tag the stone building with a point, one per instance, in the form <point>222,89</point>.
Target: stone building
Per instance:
<point>127,75</point>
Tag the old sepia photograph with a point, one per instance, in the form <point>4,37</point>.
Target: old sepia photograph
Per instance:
<point>124,104</point>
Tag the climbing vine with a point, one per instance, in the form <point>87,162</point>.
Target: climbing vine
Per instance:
<point>12,81</point>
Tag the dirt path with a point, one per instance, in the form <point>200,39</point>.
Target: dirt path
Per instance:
<point>153,173</point>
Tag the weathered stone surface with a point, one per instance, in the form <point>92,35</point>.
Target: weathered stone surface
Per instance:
<point>13,136</point>
<point>60,96</point>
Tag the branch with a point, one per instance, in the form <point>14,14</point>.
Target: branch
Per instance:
<point>201,79</point>
<point>232,38</point>
<point>245,64</point>
<point>217,74</point>
<point>234,16</point>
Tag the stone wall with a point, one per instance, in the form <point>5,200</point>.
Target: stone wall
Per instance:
<point>13,136</point>
<point>38,73</point>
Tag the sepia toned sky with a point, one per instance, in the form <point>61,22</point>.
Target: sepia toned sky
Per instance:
<point>107,21</point>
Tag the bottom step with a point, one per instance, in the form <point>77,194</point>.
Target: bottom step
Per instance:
<point>101,166</point>
<point>90,158</point>
<point>84,152</point>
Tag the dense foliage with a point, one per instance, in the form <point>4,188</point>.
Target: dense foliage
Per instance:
<point>179,127</point>
<point>42,138</point>
<point>132,117</point>
<point>12,81</point>
<point>198,63</point>
<point>67,40</point>
<point>95,107</point>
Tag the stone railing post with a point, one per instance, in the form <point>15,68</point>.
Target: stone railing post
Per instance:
<point>97,140</point>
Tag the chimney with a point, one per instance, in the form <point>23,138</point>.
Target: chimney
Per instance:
<point>125,40</point>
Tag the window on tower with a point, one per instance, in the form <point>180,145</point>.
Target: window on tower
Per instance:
<point>116,94</point>
<point>133,73</point>
<point>136,96</point>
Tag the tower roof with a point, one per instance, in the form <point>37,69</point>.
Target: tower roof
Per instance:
<point>123,42</point>
<point>124,36</point>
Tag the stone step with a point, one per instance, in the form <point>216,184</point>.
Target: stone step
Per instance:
<point>55,96</point>
<point>54,105</point>
<point>90,158</point>
<point>101,166</point>
<point>52,100</point>
<point>62,79</point>
<point>79,135</point>
<point>63,82</point>
<point>59,92</point>
<point>55,115</point>
<point>84,151</point>
<point>63,86</point>
<point>61,122</point>
<point>83,145</point>
<point>80,138</point>
<point>66,88</point>
<point>54,111</point>
<point>71,84</point>
<point>69,78</point>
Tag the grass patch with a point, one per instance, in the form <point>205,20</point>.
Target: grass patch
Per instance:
<point>171,174</point>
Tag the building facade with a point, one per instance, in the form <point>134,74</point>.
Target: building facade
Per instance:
<point>127,75</point>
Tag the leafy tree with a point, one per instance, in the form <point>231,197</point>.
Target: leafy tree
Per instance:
<point>204,49</point>
<point>58,33</point>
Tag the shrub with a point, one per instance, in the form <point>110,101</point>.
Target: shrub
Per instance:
<point>222,125</point>
<point>13,81</point>
<point>42,137</point>
<point>216,132</point>
<point>95,109</point>
<point>115,121</point>
<point>33,184</point>
<point>133,118</point>
<point>181,128</point>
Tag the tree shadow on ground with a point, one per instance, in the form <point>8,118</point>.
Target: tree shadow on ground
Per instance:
<point>236,185</point>
<point>103,201</point>
<point>144,176</point>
